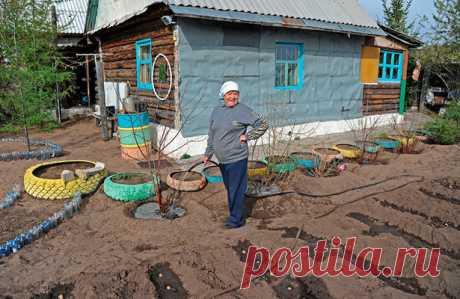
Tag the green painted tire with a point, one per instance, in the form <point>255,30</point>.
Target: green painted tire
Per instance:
<point>124,192</point>
<point>135,136</point>
<point>284,167</point>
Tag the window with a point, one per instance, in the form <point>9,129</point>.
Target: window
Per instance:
<point>144,64</point>
<point>288,66</point>
<point>390,66</point>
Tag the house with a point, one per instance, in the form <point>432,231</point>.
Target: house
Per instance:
<point>304,62</point>
<point>70,18</point>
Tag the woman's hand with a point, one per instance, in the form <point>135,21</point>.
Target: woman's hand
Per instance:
<point>205,160</point>
<point>243,139</point>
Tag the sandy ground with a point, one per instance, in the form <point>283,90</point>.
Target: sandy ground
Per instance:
<point>102,252</point>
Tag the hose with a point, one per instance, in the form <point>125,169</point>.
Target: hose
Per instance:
<point>335,193</point>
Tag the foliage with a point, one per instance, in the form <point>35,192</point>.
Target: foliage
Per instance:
<point>396,14</point>
<point>446,129</point>
<point>442,54</point>
<point>29,62</point>
<point>453,112</point>
<point>447,22</point>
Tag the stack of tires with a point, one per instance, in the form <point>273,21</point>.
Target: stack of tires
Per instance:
<point>134,132</point>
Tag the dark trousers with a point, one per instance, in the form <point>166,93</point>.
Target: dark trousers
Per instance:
<point>235,177</point>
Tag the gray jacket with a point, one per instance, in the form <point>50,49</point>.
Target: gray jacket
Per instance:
<point>226,125</point>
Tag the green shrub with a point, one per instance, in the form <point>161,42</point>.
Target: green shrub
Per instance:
<point>443,130</point>
<point>453,112</point>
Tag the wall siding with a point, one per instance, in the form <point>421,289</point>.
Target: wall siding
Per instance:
<point>119,48</point>
<point>331,89</point>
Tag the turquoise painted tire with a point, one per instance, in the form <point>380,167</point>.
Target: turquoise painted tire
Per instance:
<point>212,179</point>
<point>136,120</point>
<point>306,163</point>
<point>135,136</point>
<point>124,192</point>
<point>388,144</point>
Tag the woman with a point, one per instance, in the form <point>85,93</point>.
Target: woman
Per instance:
<point>227,139</point>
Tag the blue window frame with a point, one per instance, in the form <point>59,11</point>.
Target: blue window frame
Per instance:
<point>390,66</point>
<point>144,64</point>
<point>288,66</point>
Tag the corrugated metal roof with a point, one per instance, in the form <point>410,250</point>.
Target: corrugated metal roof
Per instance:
<point>347,12</point>
<point>71,16</point>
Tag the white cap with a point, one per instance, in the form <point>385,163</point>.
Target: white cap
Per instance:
<point>228,86</point>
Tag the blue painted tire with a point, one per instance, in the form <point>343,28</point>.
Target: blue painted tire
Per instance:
<point>306,163</point>
<point>388,144</point>
<point>213,179</point>
<point>136,120</point>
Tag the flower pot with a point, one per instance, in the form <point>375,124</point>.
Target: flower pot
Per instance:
<point>349,151</point>
<point>257,168</point>
<point>280,164</point>
<point>328,154</point>
<point>307,160</point>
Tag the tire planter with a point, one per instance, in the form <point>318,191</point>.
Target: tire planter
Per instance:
<point>328,154</point>
<point>54,189</point>
<point>134,136</point>
<point>348,151</point>
<point>128,192</point>
<point>137,153</point>
<point>307,160</point>
<point>388,144</point>
<point>257,168</point>
<point>212,174</point>
<point>128,121</point>
<point>368,146</point>
<point>51,150</point>
<point>186,181</point>
<point>404,140</point>
<point>280,164</point>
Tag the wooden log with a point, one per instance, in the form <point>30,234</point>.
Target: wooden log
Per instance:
<point>382,91</point>
<point>383,86</point>
<point>129,41</point>
<point>381,96</point>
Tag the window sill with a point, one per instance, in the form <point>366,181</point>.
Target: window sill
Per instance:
<point>288,88</point>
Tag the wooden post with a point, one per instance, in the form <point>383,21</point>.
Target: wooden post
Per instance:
<point>101,94</point>
<point>87,82</point>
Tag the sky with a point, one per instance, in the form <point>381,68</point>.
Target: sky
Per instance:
<point>418,8</point>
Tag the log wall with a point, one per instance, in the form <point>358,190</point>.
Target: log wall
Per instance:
<point>381,98</point>
<point>119,48</point>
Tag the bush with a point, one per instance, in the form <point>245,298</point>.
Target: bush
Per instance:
<point>443,130</point>
<point>453,112</point>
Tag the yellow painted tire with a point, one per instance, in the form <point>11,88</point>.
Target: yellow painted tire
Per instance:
<point>404,141</point>
<point>55,189</point>
<point>252,172</point>
<point>348,153</point>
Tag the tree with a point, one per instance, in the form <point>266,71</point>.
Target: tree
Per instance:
<point>442,54</point>
<point>29,62</point>
<point>446,27</point>
<point>396,14</point>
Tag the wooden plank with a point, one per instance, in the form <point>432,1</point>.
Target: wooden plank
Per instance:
<point>381,96</point>
<point>383,86</point>
<point>130,41</point>
<point>382,91</point>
